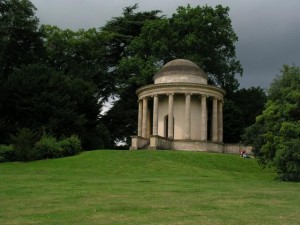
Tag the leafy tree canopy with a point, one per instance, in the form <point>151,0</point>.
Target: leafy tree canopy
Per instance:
<point>113,60</point>
<point>203,35</point>
<point>276,133</point>
<point>20,39</point>
<point>80,54</point>
<point>251,102</point>
<point>42,99</point>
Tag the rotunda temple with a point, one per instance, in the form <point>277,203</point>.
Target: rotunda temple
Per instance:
<point>180,110</point>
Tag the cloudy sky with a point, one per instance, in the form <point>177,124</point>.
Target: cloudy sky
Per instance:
<point>268,30</point>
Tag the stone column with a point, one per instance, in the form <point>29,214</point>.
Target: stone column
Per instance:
<point>149,128</point>
<point>140,116</point>
<point>220,121</point>
<point>203,118</point>
<point>170,117</point>
<point>145,110</point>
<point>155,115</point>
<point>187,116</point>
<point>215,120</point>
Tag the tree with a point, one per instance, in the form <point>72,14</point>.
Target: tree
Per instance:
<point>93,54</point>
<point>276,133</point>
<point>23,143</point>
<point>122,119</point>
<point>232,117</point>
<point>251,102</point>
<point>20,44</point>
<point>42,99</point>
<point>201,34</point>
<point>80,54</point>
<point>123,29</point>
<point>240,111</point>
<point>20,38</point>
<point>117,35</point>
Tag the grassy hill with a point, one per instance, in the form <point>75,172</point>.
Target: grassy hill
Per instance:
<point>145,187</point>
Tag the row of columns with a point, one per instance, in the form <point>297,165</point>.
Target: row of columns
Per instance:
<point>217,118</point>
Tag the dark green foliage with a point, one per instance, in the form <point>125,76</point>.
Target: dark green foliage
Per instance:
<point>80,54</point>
<point>120,31</point>
<point>37,96</point>
<point>23,143</point>
<point>48,147</point>
<point>98,138</point>
<point>251,102</point>
<point>93,56</point>
<point>232,117</point>
<point>26,148</point>
<point>20,44</point>
<point>20,39</point>
<point>276,133</point>
<point>253,136</point>
<point>85,68</point>
<point>287,161</point>
<point>7,153</point>
<point>70,145</point>
<point>240,111</point>
<point>125,107</point>
<point>41,98</point>
<point>203,35</point>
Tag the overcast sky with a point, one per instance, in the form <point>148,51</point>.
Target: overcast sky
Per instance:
<point>268,30</point>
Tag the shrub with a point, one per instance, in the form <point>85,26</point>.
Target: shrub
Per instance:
<point>48,147</point>
<point>287,161</point>
<point>7,153</point>
<point>71,145</point>
<point>23,143</point>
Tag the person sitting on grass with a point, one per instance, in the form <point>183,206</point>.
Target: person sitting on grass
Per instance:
<point>244,155</point>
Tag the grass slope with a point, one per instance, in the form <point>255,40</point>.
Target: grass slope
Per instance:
<point>145,187</point>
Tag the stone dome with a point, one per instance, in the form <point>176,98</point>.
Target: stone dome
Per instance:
<point>180,70</point>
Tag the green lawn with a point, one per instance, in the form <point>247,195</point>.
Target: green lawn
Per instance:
<point>145,187</point>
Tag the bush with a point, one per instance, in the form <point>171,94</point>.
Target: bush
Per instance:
<point>23,143</point>
<point>7,153</point>
<point>71,145</point>
<point>26,148</point>
<point>287,161</point>
<point>48,147</point>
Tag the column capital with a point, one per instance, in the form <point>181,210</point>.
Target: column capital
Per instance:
<point>170,94</point>
<point>188,93</point>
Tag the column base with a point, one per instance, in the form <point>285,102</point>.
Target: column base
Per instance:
<point>138,142</point>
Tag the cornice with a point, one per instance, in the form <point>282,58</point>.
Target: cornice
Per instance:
<point>192,88</point>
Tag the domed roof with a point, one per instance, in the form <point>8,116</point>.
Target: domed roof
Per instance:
<point>180,68</point>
